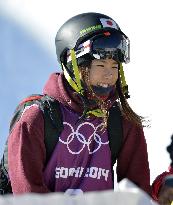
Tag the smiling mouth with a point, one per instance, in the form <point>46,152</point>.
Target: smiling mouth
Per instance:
<point>104,85</point>
<point>102,89</point>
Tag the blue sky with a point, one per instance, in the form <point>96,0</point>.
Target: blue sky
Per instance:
<point>24,68</point>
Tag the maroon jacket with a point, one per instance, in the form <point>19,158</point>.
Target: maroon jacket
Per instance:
<point>27,154</point>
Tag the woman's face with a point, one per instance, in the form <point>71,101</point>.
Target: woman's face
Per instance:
<point>103,73</point>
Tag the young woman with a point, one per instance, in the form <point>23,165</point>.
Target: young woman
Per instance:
<point>91,49</point>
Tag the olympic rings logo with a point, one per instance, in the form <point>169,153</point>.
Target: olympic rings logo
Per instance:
<point>76,135</point>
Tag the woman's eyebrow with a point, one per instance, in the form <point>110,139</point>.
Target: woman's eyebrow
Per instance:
<point>104,61</point>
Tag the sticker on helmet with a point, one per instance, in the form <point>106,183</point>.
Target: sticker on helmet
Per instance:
<point>109,23</point>
<point>90,29</point>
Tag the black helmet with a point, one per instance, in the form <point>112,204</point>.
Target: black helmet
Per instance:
<point>80,28</point>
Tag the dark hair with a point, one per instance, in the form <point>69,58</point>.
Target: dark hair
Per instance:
<point>127,111</point>
<point>170,150</point>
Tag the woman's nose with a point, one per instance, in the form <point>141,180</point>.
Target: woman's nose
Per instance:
<point>108,75</point>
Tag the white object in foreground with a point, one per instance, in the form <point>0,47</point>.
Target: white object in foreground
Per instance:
<point>125,194</point>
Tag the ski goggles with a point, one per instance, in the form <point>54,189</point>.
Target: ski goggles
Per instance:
<point>114,45</point>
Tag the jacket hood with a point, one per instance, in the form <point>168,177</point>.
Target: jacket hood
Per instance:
<point>58,88</point>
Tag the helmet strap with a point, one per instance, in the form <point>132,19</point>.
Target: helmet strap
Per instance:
<point>123,82</point>
<point>76,85</point>
<point>76,71</point>
<point>70,80</point>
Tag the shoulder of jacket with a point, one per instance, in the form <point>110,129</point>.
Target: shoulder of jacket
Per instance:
<point>31,116</point>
